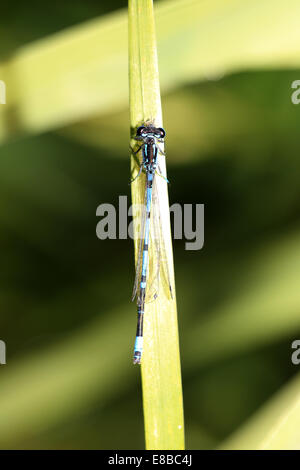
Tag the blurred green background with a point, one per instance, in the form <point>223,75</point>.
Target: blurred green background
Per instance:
<point>66,316</point>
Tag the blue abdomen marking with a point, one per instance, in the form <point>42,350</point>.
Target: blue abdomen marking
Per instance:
<point>138,345</point>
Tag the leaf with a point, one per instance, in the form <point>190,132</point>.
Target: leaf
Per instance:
<point>263,310</point>
<point>46,388</point>
<point>161,376</point>
<point>82,71</point>
<point>275,426</point>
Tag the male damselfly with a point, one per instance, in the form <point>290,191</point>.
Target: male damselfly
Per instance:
<point>149,271</point>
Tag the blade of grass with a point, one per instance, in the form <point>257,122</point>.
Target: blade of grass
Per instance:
<point>275,426</point>
<point>161,375</point>
<point>264,310</point>
<point>32,402</point>
<point>50,386</point>
<point>77,73</point>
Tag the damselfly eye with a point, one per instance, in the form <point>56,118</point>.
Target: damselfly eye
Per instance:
<point>162,132</point>
<point>140,130</point>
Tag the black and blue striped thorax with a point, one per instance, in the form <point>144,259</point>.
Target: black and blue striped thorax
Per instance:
<point>150,136</point>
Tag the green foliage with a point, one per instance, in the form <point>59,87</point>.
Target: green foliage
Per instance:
<point>161,376</point>
<point>56,81</point>
<point>226,69</point>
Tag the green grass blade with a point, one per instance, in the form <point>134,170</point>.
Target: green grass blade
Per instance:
<point>275,426</point>
<point>253,316</point>
<point>82,71</point>
<point>161,375</point>
<point>240,327</point>
<point>50,386</point>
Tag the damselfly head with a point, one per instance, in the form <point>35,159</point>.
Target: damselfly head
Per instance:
<point>150,131</point>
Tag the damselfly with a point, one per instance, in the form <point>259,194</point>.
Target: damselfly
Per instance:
<point>148,272</point>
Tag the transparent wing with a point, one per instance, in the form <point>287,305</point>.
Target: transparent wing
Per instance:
<point>159,273</point>
<point>165,268</point>
<point>153,274</point>
<point>138,271</point>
